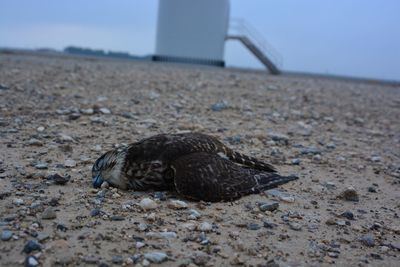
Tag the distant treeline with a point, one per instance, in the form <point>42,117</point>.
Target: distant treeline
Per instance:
<point>101,53</point>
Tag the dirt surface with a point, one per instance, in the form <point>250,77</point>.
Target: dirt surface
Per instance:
<point>57,115</point>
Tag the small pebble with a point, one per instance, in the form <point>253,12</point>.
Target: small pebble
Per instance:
<point>41,166</point>
<point>31,261</point>
<point>90,259</point>
<point>280,195</point>
<point>156,257</point>
<point>330,185</point>
<point>161,235</point>
<point>35,142</point>
<point>95,212</point>
<point>372,189</point>
<point>153,95</point>
<point>194,214</point>
<point>117,259</point>
<point>331,221</point>
<point>105,110</point>
<point>331,145</point>
<point>280,138</point>
<point>58,179</point>
<point>295,226</point>
<point>139,245</point>
<point>148,204</point>
<point>18,201</point>
<point>205,227</point>
<point>296,161</point>
<point>376,159</point>
<point>49,214</point>
<point>395,245</point>
<point>333,255</point>
<point>349,194</point>
<point>219,106</point>
<point>200,258</point>
<point>142,227</point>
<point>160,195</point>
<point>177,204</point>
<point>117,218</point>
<point>70,163</point>
<point>65,138</point>
<point>348,215</point>
<point>268,206</point>
<point>253,226</point>
<point>88,111</point>
<point>310,151</point>
<point>74,116</point>
<point>368,240</point>
<point>42,237</point>
<point>30,246</point>
<point>269,225</point>
<point>104,185</point>
<point>6,235</point>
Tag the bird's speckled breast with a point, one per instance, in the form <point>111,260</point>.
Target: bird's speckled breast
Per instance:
<point>147,174</point>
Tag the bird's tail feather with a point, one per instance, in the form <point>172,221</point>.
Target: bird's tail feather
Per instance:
<point>267,181</point>
<point>249,161</point>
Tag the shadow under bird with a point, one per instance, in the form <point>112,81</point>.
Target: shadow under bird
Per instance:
<point>195,165</point>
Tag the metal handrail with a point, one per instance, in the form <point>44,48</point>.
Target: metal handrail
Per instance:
<point>238,26</point>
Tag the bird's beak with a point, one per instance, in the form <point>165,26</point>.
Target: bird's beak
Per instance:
<point>97,181</point>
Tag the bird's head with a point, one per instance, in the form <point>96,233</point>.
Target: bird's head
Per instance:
<point>108,168</point>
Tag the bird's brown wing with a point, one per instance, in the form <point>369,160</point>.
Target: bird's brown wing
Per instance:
<point>183,144</point>
<point>209,177</point>
<point>168,147</point>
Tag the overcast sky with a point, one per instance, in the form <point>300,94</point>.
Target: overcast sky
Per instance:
<point>346,37</point>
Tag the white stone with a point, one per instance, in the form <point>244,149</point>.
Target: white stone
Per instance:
<point>66,138</point>
<point>32,261</point>
<point>70,163</point>
<point>161,235</point>
<point>153,95</point>
<point>156,257</point>
<point>194,214</point>
<point>140,244</point>
<point>205,227</point>
<point>105,185</point>
<point>376,159</point>
<point>18,201</point>
<point>88,111</point>
<point>148,204</point>
<point>105,110</point>
<point>177,204</point>
<point>189,226</point>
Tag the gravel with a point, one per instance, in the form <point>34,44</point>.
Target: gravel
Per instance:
<point>326,131</point>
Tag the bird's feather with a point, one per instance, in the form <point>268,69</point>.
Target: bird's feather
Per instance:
<point>209,177</point>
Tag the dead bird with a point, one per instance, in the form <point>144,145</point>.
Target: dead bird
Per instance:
<point>197,166</point>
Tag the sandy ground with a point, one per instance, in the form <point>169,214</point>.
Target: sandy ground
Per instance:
<point>57,115</point>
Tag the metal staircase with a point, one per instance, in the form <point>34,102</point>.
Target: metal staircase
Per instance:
<point>242,31</point>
